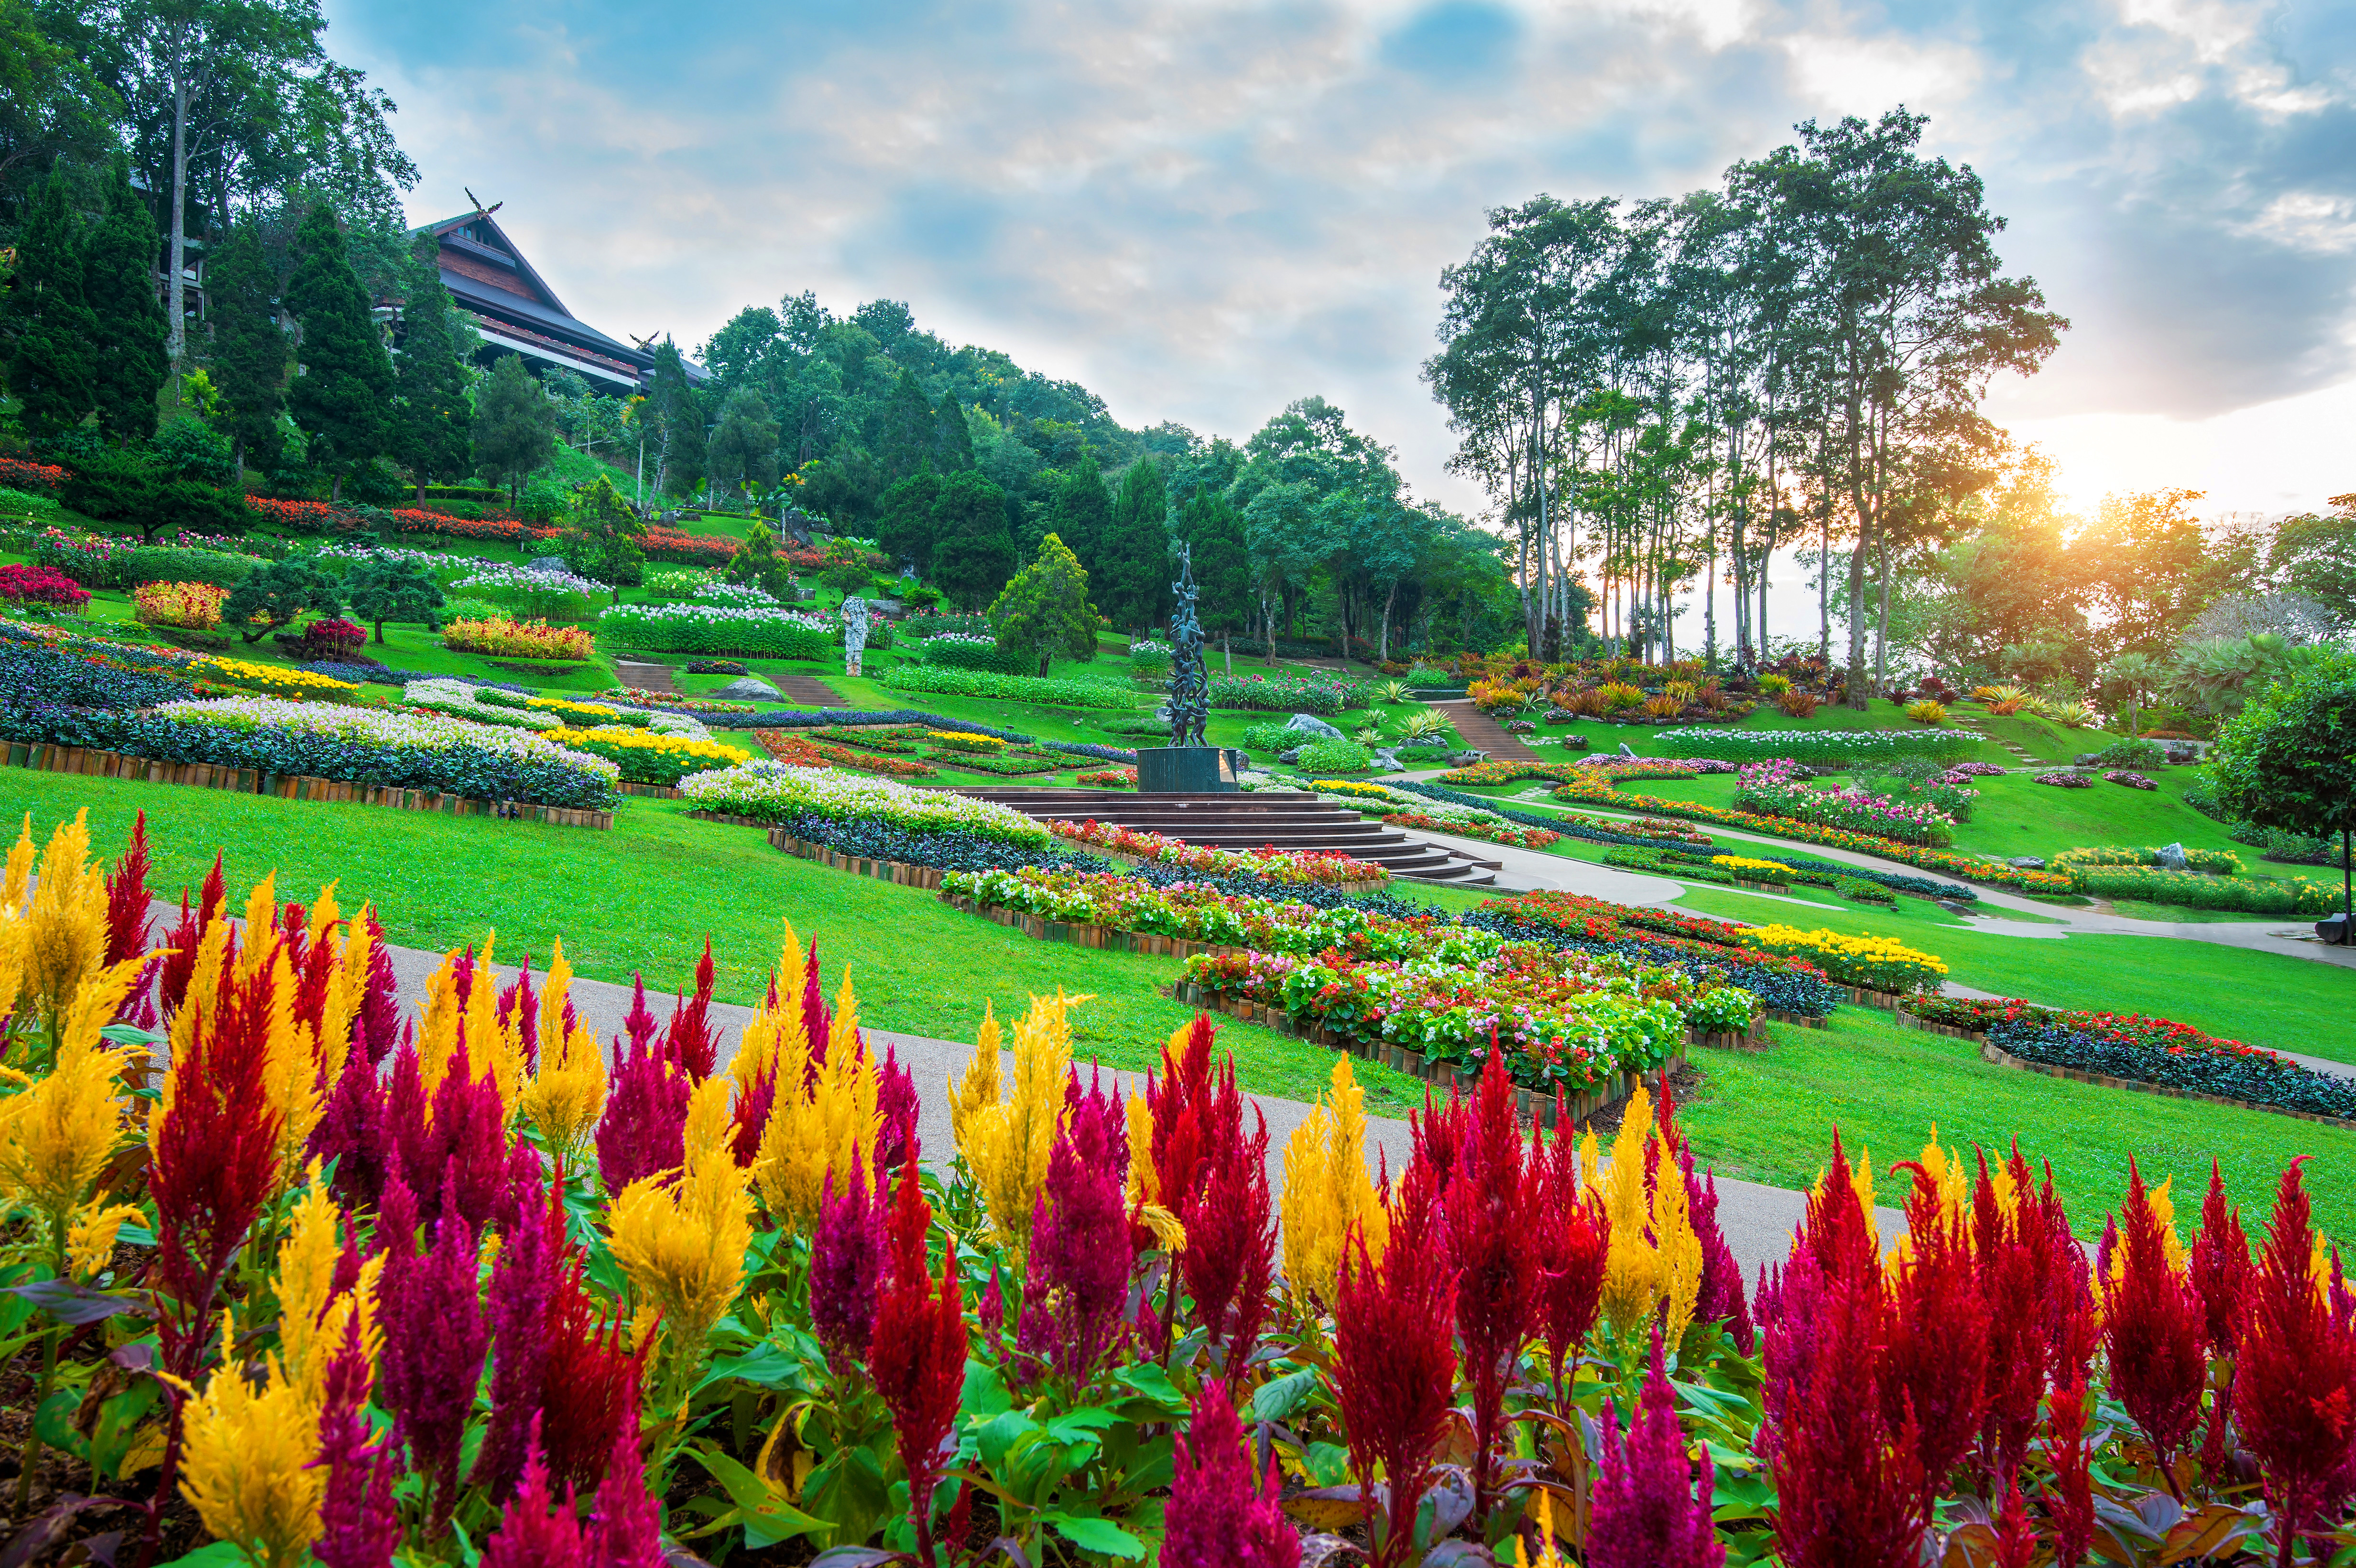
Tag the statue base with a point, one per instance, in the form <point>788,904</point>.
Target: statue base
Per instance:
<point>1189,770</point>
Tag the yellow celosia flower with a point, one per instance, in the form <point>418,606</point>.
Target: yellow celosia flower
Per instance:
<point>248,1459</point>
<point>65,939</point>
<point>1329,1195</point>
<point>437,1023</point>
<point>1653,1263</point>
<point>1144,1181</point>
<point>90,1237</point>
<point>1548,1556</point>
<point>1678,1249</point>
<point>681,1239</point>
<point>1007,1144</point>
<point>710,1129</point>
<point>566,1098</point>
<point>290,1069</point>
<point>261,925</point>
<point>56,1136</point>
<point>979,1087</point>
<point>815,1129</point>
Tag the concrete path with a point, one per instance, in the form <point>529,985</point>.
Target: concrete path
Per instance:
<point>1757,1220</point>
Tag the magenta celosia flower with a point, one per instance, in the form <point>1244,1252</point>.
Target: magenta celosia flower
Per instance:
<point>849,1252</point>
<point>644,1129</point>
<point>434,1338</point>
<point>538,1530</point>
<point>1081,1253</point>
<point>378,1025</point>
<point>897,1102</point>
<point>1493,1252</point>
<point>523,1288</point>
<point>1649,1511</point>
<point>2297,1373</point>
<point>1218,1516</point>
<point>361,1525</point>
<point>1721,1298</point>
<point>817,1016</point>
<point>352,1133</point>
<point>459,1154</point>
<point>518,1007</point>
<point>625,1529</point>
<point>1395,1367</point>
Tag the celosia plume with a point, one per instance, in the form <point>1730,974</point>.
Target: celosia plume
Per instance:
<point>848,1259</point>
<point>435,1342</point>
<point>1394,1370</point>
<point>1649,1510</point>
<point>2154,1328</point>
<point>2295,1374</point>
<point>1329,1195</point>
<point>917,1358</point>
<point>1494,1254</point>
<point>645,1122</point>
<point>1007,1145</point>
<point>1080,1251</point>
<point>1218,1515</point>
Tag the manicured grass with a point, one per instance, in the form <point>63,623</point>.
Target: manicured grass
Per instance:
<point>1771,1117</point>
<point>643,897</point>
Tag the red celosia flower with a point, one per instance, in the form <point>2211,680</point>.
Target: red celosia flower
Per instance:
<point>2071,1506</point>
<point>590,1396</point>
<point>1230,1257</point>
<point>1850,1485</point>
<point>1219,1516</point>
<point>1395,1367</point>
<point>128,920</point>
<point>644,1129</point>
<point>2153,1326</point>
<point>518,1007</point>
<point>689,1041</point>
<point>917,1359</point>
<point>1649,1510</point>
<point>2015,1538</point>
<point>377,1028</point>
<point>1081,1250</point>
<point>896,1104</point>
<point>2295,1375</point>
<point>1572,1235</point>
<point>2221,1273</point>
<point>172,980</point>
<point>1495,1258</point>
<point>1936,1358</point>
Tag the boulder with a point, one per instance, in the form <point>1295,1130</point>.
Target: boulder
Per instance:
<point>1466,759</point>
<point>2026,863</point>
<point>1386,761</point>
<point>1310,724</point>
<point>2171,858</point>
<point>751,689</point>
<point>547,563</point>
<point>1627,751</point>
<point>1291,758</point>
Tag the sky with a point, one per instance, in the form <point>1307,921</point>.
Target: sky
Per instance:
<point>1203,209</point>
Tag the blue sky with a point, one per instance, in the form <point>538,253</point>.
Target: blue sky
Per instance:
<point>1205,209</point>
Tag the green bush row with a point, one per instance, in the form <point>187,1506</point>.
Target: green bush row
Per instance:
<point>974,655</point>
<point>2246,895</point>
<point>947,682</point>
<point>1825,748</point>
<point>2217,862</point>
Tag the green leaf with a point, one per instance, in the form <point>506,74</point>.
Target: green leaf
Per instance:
<point>764,1366</point>
<point>212,1554</point>
<point>985,1391</point>
<point>1075,1425</point>
<point>1149,1380</point>
<point>1275,1399</point>
<point>1096,1535</point>
<point>766,1518</point>
<point>999,1435</point>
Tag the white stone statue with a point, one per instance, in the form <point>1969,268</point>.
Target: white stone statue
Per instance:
<point>855,633</point>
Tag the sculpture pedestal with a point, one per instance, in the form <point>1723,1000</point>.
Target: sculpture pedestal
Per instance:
<point>1189,770</point>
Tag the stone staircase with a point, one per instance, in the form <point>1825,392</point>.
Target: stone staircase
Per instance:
<point>1483,734</point>
<point>1242,821</point>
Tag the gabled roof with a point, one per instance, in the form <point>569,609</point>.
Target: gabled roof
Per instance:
<point>479,234</point>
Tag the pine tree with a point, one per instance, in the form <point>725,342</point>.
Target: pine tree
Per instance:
<point>1045,612</point>
<point>1133,567</point>
<point>53,369</point>
<point>680,418</point>
<point>952,442</point>
<point>432,435</point>
<point>396,590</point>
<point>249,348</point>
<point>1082,510</point>
<point>128,365</point>
<point>515,425</point>
<point>906,527</point>
<point>743,451</point>
<point>907,439</point>
<point>603,538</point>
<point>1214,529</point>
<point>973,553</point>
<point>342,394</point>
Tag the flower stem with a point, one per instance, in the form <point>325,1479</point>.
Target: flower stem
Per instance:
<point>32,1455</point>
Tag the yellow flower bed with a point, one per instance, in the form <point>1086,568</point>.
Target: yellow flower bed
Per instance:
<point>282,678</point>
<point>646,757</point>
<point>962,741</point>
<point>1347,787</point>
<point>194,605</point>
<point>560,705</point>
<point>518,639</point>
<point>1752,871</point>
<point>1875,963</point>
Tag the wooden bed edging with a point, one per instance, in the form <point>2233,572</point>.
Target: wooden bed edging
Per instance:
<point>94,764</point>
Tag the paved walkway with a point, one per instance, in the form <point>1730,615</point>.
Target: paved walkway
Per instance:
<point>1757,1220</point>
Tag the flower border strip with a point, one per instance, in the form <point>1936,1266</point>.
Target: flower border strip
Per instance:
<point>43,757</point>
<point>1997,1056</point>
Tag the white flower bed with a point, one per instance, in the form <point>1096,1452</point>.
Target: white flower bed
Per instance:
<point>367,726</point>
<point>774,791</point>
<point>360,552</point>
<point>741,595</point>
<point>457,697</point>
<point>495,575</point>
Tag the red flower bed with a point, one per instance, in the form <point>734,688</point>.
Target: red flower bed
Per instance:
<point>15,473</point>
<point>693,549</point>
<point>41,585</point>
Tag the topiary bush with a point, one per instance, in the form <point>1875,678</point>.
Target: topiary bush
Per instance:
<point>1332,756</point>
<point>2131,753</point>
<point>163,563</point>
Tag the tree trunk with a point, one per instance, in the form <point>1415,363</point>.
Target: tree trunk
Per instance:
<point>1825,585</point>
<point>1881,628</point>
<point>1856,678</point>
<point>176,343</point>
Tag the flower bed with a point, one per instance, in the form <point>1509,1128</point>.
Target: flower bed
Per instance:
<point>2217,862</point>
<point>195,606</point>
<point>1704,948</point>
<point>1734,870</point>
<point>2151,1050</point>
<point>744,630</point>
<point>279,680</point>
<point>1820,748</point>
<point>1773,788</point>
<point>2044,883</point>
<point>945,681</point>
<point>692,550</point>
<point>1324,694</point>
<point>1275,865</point>
<point>646,757</point>
<point>2066,780</point>
<point>1108,778</point>
<point>41,585</point>
<point>2300,896</point>
<point>812,752</point>
<point>17,474</point>
<point>94,560</point>
<point>1872,963</point>
<point>1466,825</point>
<point>518,639</point>
<point>2133,781</point>
<point>964,650</point>
<point>767,792</point>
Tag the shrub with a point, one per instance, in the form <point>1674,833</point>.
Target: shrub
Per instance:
<point>1136,724</point>
<point>1926,712</point>
<point>193,605</point>
<point>2216,862</point>
<point>2133,781</point>
<point>1323,694</point>
<point>717,629</point>
<point>41,585</point>
<point>26,506</point>
<point>1328,755</point>
<point>164,563</point>
<point>1775,685</point>
<point>1819,748</point>
<point>39,478</point>
<point>2247,895</point>
<point>517,639</point>
<point>958,650</point>
<point>949,682</point>
<point>1664,707</point>
<point>716,667</point>
<point>1797,704</point>
<point>2066,781</point>
<point>2131,753</point>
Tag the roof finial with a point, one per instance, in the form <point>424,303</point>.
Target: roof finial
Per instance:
<point>480,210</point>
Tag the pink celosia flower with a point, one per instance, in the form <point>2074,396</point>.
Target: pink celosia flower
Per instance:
<point>1218,1516</point>
<point>1649,1511</point>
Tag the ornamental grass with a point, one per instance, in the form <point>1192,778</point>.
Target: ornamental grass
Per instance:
<point>458,1291</point>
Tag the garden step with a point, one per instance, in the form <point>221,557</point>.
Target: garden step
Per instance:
<point>1483,734</point>
<point>644,677</point>
<point>807,691</point>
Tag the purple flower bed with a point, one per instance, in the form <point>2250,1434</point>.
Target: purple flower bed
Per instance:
<point>2066,781</point>
<point>1775,788</point>
<point>1976,771</point>
<point>2133,781</point>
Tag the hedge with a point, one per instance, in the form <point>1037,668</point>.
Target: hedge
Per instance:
<point>2194,890</point>
<point>944,681</point>
<point>1825,748</point>
<point>708,629</point>
<point>164,563</point>
<point>950,653</point>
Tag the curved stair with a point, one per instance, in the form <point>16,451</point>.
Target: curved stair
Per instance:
<point>1253,822</point>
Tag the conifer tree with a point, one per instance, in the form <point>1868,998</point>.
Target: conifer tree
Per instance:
<point>743,450</point>
<point>431,423</point>
<point>128,362</point>
<point>1210,523</point>
<point>973,552</point>
<point>1133,567</point>
<point>603,538</point>
<point>680,418</point>
<point>907,528</point>
<point>908,438</point>
<point>952,442</point>
<point>1082,510</point>
<point>52,372</point>
<point>515,425</point>
<point>342,393</point>
<point>249,348</point>
<point>1044,611</point>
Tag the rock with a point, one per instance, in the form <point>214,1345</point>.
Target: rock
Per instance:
<point>547,563</point>
<point>1626,751</point>
<point>1309,724</point>
<point>2026,863</point>
<point>1291,758</point>
<point>752,688</point>
<point>1386,761</point>
<point>2083,760</point>
<point>1465,759</point>
<point>2171,858</point>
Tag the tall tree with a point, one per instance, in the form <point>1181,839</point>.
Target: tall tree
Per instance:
<point>973,551</point>
<point>952,442</point>
<point>249,348</point>
<point>432,418</point>
<point>1134,569</point>
<point>1044,611</point>
<point>515,425</point>
<point>678,420</point>
<point>1082,510</point>
<point>743,450</point>
<point>604,535</point>
<point>1214,531</point>
<point>128,365</point>
<point>52,372</point>
<point>906,440</point>
<point>342,394</point>
<point>906,527</point>
<point>52,105</point>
